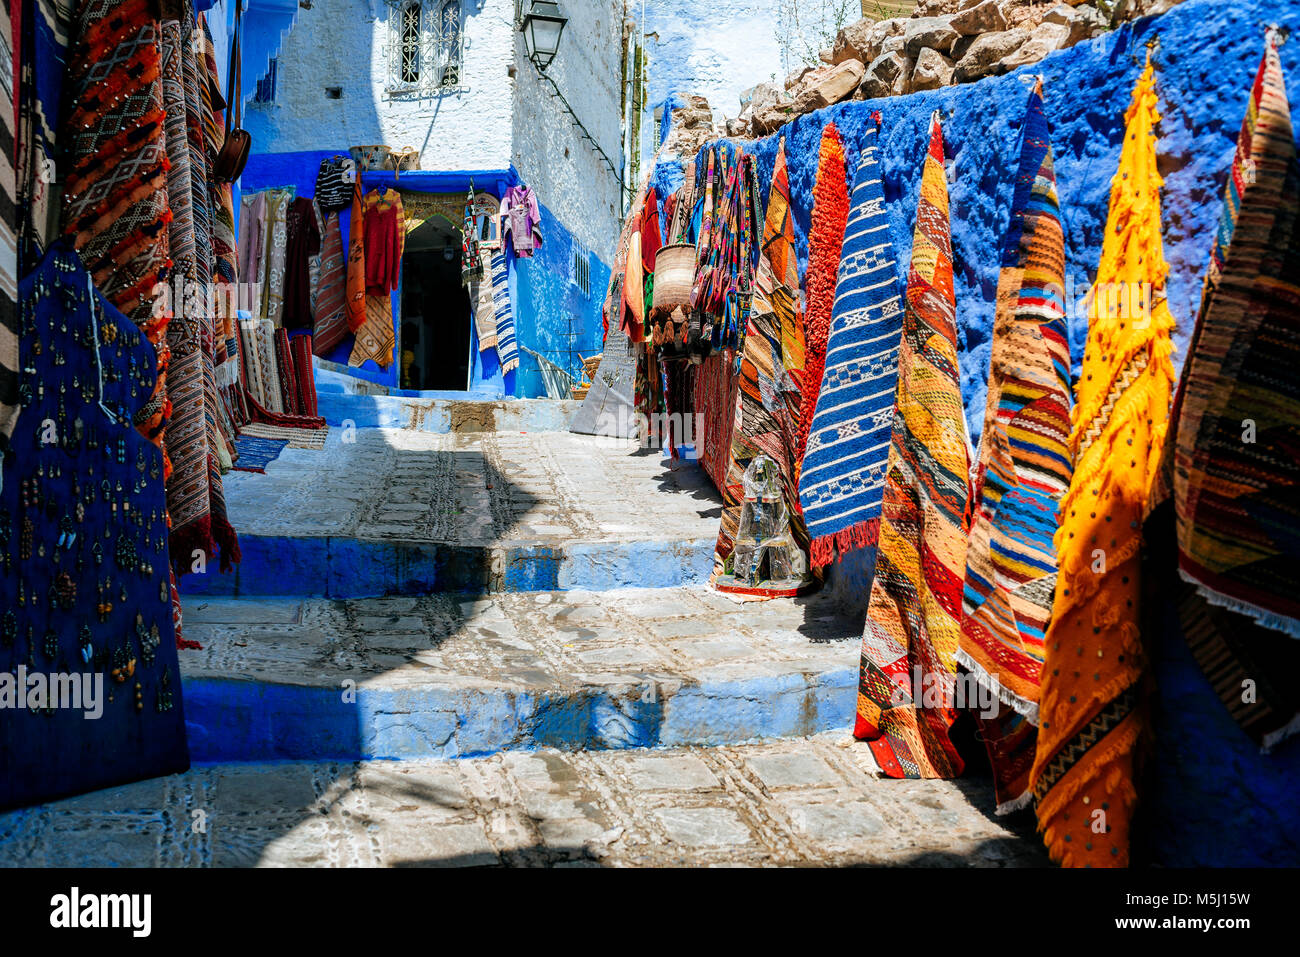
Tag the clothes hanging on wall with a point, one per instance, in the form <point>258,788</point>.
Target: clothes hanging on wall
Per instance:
<point>523,220</point>
<point>304,242</point>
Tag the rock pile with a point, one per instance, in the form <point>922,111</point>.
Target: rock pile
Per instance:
<point>942,43</point>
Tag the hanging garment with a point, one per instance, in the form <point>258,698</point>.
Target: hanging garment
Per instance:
<point>331,303</point>
<point>764,424</point>
<point>906,701</point>
<point>115,191</point>
<point>524,219</point>
<point>334,183</point>
<point>252,248</point>
<point>1023,469</point>
<point>1089,715</point>
<point>304,242</point>
<point>385,238</point>
<point>507,349</point>
<point>1229,492</point>
<point>356,265</point>
<point>633,311</point>
<point>94,536</point>
<point>9,404</point>
<point>277,242</point>
<point>825,239</point>
<point>843,473</point>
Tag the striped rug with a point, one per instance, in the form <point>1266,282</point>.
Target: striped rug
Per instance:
<point>1023,469</point>
<point>906,691</point>
<point>507,348</point>
<point>843,474</point>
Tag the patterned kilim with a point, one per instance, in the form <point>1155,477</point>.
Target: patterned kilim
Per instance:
<point>115,193</point>
<point>288,373</point>
<point>355,274</point>
<point>300,350</point>
<point>764,423</point>
<point>906,694</point>
<point>1237,460</point>
<point>331,304</point>
<point>830,214</point>
<point>480,302</point>
<point>277,241</point>
<point>843,474</point>
<point>507,349</point>
<point>1023,468</point>
<point>716,390</point>
<point>256,453</point>
<point>375,339</point>
<point>310,436</point>
<point>1089,715</point>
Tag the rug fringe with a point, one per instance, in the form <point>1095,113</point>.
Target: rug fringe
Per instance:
<point>1005,695</point>
<point>826,548</point>
<point>1015,804</point>
<point>1262,616</point>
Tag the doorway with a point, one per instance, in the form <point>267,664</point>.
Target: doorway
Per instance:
<point>435,329</point>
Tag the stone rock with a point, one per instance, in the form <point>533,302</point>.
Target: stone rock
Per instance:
<point>887,75</point>
<point>826,56</point>
<point>933,32</point>
<point>960,46</point>
<point>770,118</point>
<point>983,17</point>
<point>1046,38</point>
<point>761,95</point>
<point>831,87</point>
<point>932,71</point>
<point>1084,21</point>
<point>857,41</point>
<point>893,45</point>
<point>985,56</point>
<point>796,76</point>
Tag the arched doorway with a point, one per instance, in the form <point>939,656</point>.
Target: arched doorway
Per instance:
<point>434,335</point>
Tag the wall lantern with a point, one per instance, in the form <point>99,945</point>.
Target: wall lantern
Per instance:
<point>542,26</point>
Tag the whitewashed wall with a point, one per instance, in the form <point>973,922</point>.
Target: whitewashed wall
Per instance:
<point>549,150</point>
<point>341,43</point>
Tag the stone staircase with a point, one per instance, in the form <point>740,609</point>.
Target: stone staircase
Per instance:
<point>417,594</point>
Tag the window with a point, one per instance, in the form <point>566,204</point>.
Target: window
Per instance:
<point>581,276</point>
<point>426,47</point>
<point>266,85</point>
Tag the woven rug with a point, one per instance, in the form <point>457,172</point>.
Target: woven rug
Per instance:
<point>715,404</point>
<point>297,438</point>
<point>906,702</point>
<point>1023,469</point>
<point>288,373</point>
<point>830,215</point>
<point>480,300</point>
<point>256,453</point>
<point>331,301</point>
<point>763,423</point>
<point>304,374</point>
<point>1237,461</point>
<point>115,190</point>
<point>375,339</point>
<point>843,474</point>
<point>1089,715</point>
<point>507,349</point>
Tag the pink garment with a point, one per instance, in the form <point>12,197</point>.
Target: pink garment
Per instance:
<point>523,219</point>
<point>252,235</point>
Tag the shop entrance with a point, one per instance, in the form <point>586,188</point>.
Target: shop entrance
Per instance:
<point>435,319</point>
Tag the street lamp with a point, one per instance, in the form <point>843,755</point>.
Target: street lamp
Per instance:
<point>542,26</point>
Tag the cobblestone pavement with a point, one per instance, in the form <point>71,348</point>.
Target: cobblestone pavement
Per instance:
<point>492,487</point>
<point>809,801</point>
<point>553,640</point>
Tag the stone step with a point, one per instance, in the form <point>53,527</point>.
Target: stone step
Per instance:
<point>438,676</point>
<point>814,801</point>
<point>396,511</point>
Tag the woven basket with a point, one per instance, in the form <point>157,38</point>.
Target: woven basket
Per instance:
<point>674,274</point>
<point>404,159</point>
<point>371,157</point>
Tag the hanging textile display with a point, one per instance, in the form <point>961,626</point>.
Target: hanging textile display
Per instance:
<point>485,314</point>
<point>252,247</point>
<point>115,203</point>
<point>84,584</point>
<point>288,374</point>
<point>1235,498</point>
<point>906,703</point>
<point>1022,471</point>
<point>276,246</point>
<point>331,324</point>
<point>385,239</point>
<point>764,423</point>
<point>507,349</point>
<point>825,240</point>
<point>843,472</point>
<point>1229,492</point>
<point>1090,717</point>
<point>355,284</point>
<point>523,220</point>
<point>300,349</point>
<point>195,502</point>
<point>304,242</point>
<point>41,31</point>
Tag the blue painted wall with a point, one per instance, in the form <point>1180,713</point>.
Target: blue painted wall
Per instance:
<point>552,315</point>
<point>1216,798</point>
